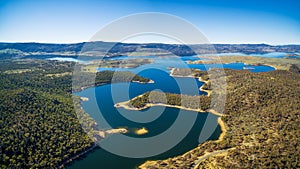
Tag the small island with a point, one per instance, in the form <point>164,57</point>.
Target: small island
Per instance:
<point>141,131</point>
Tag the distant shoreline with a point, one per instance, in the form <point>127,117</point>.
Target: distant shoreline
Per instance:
<point>101,84</point>
<point>251,62</point>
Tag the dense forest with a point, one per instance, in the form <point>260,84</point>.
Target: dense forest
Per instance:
<point>39,127</point>
<point>262,122</point>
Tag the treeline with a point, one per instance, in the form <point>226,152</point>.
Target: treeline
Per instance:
<point>262,121</point>
<point>154,97</point>
<point>84,79</point>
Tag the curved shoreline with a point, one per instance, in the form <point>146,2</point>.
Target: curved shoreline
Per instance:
<point>101,84</point>
<point>223,129</point>
<point>127,107</point>
<point>192,76</point>
<point>201,88</point>
<point>221,137</point>
<point>220,121</point>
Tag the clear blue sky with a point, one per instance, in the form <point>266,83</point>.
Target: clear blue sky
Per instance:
<point>221,21</point>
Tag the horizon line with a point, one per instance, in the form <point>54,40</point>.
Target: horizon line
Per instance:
<point>217,43</point>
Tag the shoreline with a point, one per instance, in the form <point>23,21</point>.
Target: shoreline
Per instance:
<point>101,133</point>
<point>245,62</point>
<point>201,88</point>
<point>148,105</point>
<point>101,84</point>
<point>221,137</point>
<point>223,129</point>
<point>77,156</point>
<point>221,123</point>
<point>192,76</point>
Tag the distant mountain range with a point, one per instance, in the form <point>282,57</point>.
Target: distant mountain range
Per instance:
<point>109,49</point>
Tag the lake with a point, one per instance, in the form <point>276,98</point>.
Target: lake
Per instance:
<point>157,120</point>
<point>87,59</point>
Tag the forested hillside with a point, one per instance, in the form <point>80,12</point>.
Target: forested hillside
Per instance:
<point>38,124</point>
<point>262,117</point>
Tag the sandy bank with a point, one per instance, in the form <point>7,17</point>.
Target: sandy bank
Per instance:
<point>201,88</point>
<point>84,99</point>
<point>105,133</point>
<point>125,105</point>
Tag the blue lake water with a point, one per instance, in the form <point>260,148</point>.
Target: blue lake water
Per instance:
<point>105,99</point>
<point>101,107</point>
<point>86,59</point>
<point>167,63</point>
